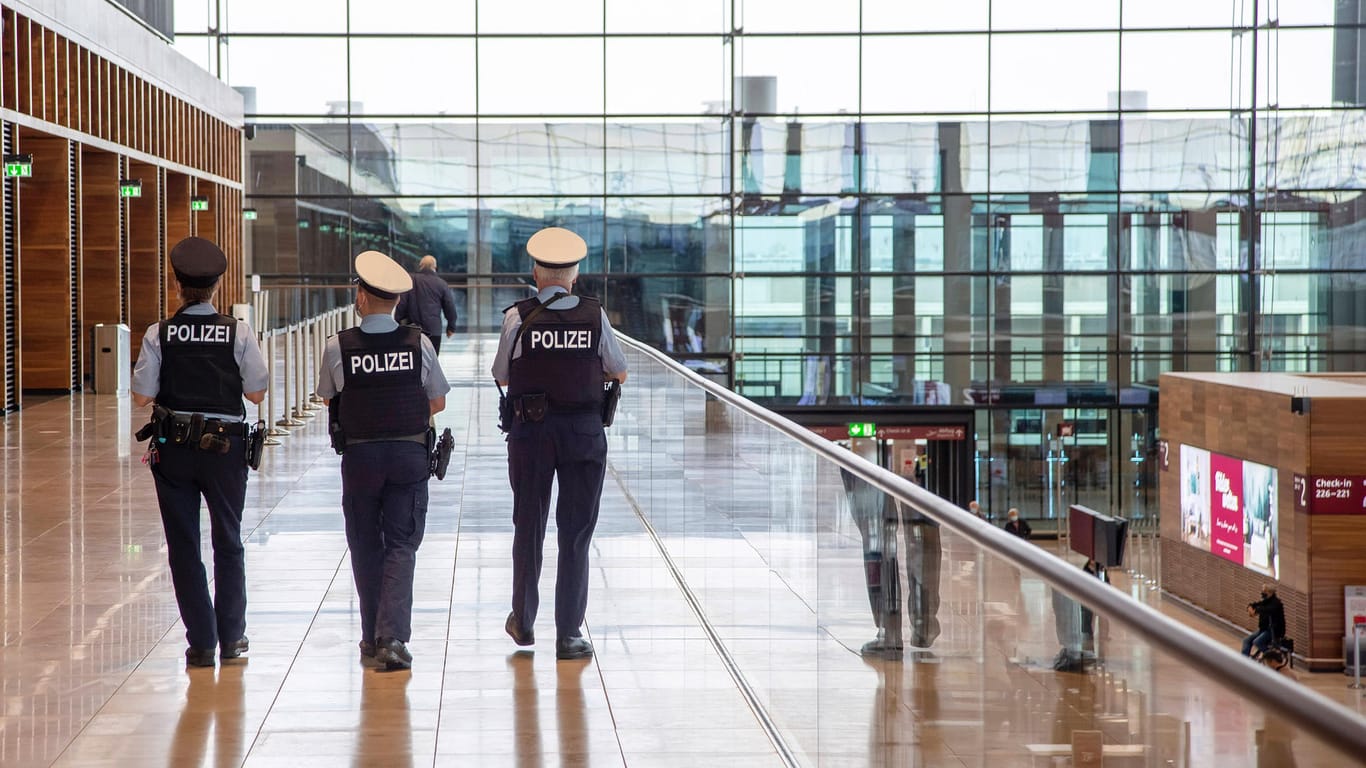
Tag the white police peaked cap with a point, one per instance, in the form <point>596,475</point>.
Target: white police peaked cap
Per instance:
<point>381,275</point>
<point>556,247</point>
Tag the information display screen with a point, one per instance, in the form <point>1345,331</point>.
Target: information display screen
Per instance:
<point>1228,507</point>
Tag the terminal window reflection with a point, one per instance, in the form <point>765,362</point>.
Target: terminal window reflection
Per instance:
<point>849,228</point>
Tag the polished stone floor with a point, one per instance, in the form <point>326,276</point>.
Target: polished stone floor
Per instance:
<point>92,672</point>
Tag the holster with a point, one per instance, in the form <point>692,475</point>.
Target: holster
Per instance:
<point>611,395</point>
<point>440,451</point>
<point>255,444</point>
<point>334,428</point>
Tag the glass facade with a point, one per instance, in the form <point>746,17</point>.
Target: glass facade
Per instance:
<point>1025,209</point>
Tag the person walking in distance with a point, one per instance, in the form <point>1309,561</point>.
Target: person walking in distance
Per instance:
<point>425,304</point>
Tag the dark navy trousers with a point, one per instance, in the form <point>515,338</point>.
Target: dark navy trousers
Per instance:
<point>182,476</point>
<point>384,499</point>
<point>570,448</point>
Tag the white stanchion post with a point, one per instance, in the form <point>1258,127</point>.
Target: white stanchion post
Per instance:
<point>276,430</point>
<point>291,364</point>
<point>300,360</point>
<point>310,370</point>
<point>263,408</point>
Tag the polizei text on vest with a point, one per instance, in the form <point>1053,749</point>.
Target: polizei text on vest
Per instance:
<point>203,334</point>
<point>382,362</point>
<point>561,339</point>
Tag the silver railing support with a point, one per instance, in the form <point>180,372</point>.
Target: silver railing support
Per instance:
<point>1356,654</point>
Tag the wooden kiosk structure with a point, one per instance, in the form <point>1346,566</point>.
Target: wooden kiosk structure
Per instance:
<point>1263,480</point>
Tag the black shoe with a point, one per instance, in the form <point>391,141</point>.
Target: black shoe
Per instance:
<point>367,649</point>
<point>236,649</point>
<point>514,630</point>
<point>573,648</point>
<point>393,654</point>
<point>199,657</point>
<point>881,648</point>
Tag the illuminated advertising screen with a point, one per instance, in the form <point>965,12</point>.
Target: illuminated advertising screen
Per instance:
<point>1228,507</point>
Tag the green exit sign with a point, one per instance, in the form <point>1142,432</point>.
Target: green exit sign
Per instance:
<point>249,214</point>
<point>130,188</point>
<point>862,429</point>
<point>199,203</point>
<point>18,166</point>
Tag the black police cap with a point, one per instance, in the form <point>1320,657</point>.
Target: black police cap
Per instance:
<point>197,262</point>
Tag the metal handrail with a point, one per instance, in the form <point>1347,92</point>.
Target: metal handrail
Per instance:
<point>1328,720</point>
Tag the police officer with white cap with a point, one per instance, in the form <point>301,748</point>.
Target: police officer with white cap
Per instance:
<point>382,383</point>
<point>555,352</point>
<point>196,366</point>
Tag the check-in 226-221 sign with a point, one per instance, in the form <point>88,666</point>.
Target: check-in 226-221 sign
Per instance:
<point>1330,494</point>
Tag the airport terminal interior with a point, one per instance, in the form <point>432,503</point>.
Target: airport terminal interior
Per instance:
<point>1097,261</point>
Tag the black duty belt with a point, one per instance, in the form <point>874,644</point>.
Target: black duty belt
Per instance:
<point>193,429</point>
<point>558,406</point>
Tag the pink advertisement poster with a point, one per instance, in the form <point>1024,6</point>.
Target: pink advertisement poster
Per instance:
<point>1226,507</point>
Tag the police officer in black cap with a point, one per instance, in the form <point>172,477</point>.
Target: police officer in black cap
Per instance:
<point>196,366</point>
<point>554,369</point>
<point>386,384</point>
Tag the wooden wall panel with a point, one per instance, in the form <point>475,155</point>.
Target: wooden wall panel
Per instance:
<point>177,224</point>
<point>1338,543</point>
<point>50,78</point>
<point>1245,424</point>
<point>101,277</point>
<point>23,66</point>
<point>8,60</point>
<point>145,258</point>
<point>45,290</point>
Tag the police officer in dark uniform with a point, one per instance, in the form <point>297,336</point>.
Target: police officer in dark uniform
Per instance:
<point>196,366</point>
<point>382,383</point>
<point>555,352</point>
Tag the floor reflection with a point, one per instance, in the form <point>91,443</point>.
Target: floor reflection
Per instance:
<point>92,667</point>
<point>384,737</point>
<point>526,710</point>
<point>212,716</point>
<point>570,713</point>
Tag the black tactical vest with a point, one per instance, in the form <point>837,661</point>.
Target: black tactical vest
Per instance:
<point>560,355</point>
<point>199,372</point>
<point>382,395</point>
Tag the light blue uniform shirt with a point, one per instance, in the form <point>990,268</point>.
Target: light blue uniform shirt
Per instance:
<point>330,379</point>
<point>250,362</point>
<point>609,349</point>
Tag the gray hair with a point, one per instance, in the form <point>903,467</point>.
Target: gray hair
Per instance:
<point>558,275</point>
<point>427,263</point>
